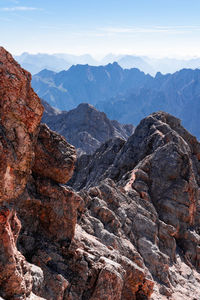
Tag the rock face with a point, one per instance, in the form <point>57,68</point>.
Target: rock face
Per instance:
<point>20,114</point>
<point>91,169</point>
<point>85,127</point>
<point>158,168</point>
<point>15,277</point>
<point>54,157</point>
<point>131,232</point>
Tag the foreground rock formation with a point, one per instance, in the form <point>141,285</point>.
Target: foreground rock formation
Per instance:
<point>131,231</point>
<point>20,114</point>
<point>158,169</point>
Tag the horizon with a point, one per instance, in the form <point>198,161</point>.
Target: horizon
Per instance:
<point>146,28</point>
<point>100,57</point>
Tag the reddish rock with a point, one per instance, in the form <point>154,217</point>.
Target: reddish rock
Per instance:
<point>54,157</point>
<point>50,210</point>
<point>20,114</point>
<point>15,275</point>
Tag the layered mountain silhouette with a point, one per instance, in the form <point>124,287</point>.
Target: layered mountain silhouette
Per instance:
<point>84,83</point>
<point>35,63</point>
<point>177,93</point>
<point>85,127</point>
<point>124,95</point>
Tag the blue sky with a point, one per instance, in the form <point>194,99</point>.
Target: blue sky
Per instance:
<point>144,27</point>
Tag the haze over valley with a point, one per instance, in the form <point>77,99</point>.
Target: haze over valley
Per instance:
<point>35,63</point>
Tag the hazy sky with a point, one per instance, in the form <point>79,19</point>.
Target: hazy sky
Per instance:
<point>98,27</point>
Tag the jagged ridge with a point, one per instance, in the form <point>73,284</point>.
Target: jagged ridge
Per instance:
<point>85,127</point>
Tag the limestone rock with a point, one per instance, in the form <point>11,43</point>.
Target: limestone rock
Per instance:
<point>47,207</point>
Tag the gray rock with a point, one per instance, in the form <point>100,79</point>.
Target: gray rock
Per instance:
<point>85,127</point>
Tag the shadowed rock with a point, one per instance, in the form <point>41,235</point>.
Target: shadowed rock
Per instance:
<point>54,157</point>
<point>20,114</point>
<point>85,127</point>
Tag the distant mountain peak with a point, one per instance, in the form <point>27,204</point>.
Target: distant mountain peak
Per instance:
<point>114,64</point>
<point>85,127</point>
<point>86,106</point>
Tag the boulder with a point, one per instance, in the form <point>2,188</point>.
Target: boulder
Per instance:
<point>54,157</point>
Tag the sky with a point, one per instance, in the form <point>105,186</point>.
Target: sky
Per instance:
<point>144,27</point>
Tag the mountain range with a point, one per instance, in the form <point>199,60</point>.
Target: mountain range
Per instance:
<point>54,62</point>
<point>84,83</point>
<point>60,61</point>
<point>125,95</point>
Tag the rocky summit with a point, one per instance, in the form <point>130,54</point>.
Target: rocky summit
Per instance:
<point>130,231</point>
<point>85,127</point>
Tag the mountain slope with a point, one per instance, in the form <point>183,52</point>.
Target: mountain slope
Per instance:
<point>85,127</point>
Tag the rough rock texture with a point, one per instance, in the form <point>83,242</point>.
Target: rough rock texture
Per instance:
<point>85,127</point>
<point>91,169</point>
<point>85,267</point>
<point>158,168</point>
<point>15,279</point>
<point>131,232</point>
<point>20,114</point>
<point>54,157</point>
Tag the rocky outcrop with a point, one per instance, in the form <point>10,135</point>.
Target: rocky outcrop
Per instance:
<point>54,157</point>
<point>85,127</point>
<point>20,114</point>
<point>15,277</point>
<point>158,168</point>
<point>91,169</point>
<point>77,264</point>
